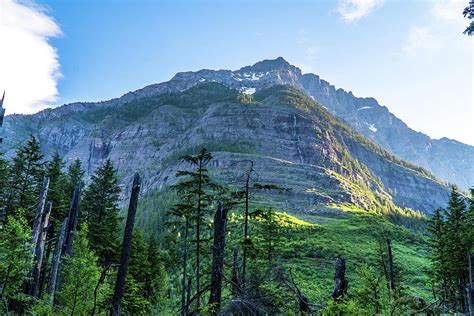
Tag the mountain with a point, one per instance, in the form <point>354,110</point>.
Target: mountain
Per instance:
<point>294,142</point>
<point>448,159</point>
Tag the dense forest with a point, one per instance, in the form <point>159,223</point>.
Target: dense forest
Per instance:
<point>67,247</point>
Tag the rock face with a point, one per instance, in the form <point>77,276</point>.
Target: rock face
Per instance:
<point>449,160</point>
<point>293,141</point>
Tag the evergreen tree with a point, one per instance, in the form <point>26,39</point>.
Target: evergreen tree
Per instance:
<point>156,277</point>
<point>100,208</point>
<point>436,227</point>
<point>57,193</point>
<point>4,167</point>
<point>75,175</point>
<point>449,249</point>
<point>135,299</point>
<point>456,258</point>
<point>15,259</point>
<point>198,187</point>
<point>79,277</point>
<point>25,178</point>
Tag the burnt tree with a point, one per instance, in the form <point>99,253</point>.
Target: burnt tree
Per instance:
<point>390,273</point>
<point>36,230</point>
<point>340,282</point>
<point>72,220</point>
<point>126,246</point>
<point>218,251</point>
<point>53,279</point>
<point>39,253</point>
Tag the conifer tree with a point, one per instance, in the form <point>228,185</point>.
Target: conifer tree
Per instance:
<point>25,177</point>
<point>100,208</point>
<point>198,186</point>
<point>155,277</point>
<point>79,277</point>
<point>135,300</point>
<point>15,259</point>
<point>57,192</point>
<point>4,167</point>
<point>75,175</point>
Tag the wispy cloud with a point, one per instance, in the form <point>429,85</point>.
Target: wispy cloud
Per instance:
<point>354,10</point>
<point>419,38</point>
<point>29,67</point>
<point>309,51</point>
<point>450,11</point>
<point>442,27</point>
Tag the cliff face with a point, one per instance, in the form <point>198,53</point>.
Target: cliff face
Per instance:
<point>449,160</point>
<point>293,141</point>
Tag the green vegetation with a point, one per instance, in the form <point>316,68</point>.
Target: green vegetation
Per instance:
<point>179,258</point>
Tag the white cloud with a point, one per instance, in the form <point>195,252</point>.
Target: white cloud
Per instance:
<point>29,67</point>
<point>308,52</point>
<point>442,28</point>
<point>450,11</point>
<point>354,10</point>
<point>419,38</point>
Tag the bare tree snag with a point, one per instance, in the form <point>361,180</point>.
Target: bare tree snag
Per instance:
<point>218,252</point>
<point>391,278</point>
<point>72,220</point>
<point>126,247</point>
<point>340,282</point>
<point>38,260</point>
<point>53,280</point>
<point>235,289</point>
<point>185,265</point>
<point>246,222</point>
<point>469,289</point>
<point>35,232</point>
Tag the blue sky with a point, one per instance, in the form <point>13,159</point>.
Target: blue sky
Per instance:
<point>410,55</point>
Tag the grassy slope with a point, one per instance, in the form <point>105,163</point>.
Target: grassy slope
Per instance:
<point>312,242</point>
<point>310,251</point>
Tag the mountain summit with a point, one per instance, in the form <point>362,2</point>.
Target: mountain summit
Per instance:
<point>239,116</point>
<point>451,161</point>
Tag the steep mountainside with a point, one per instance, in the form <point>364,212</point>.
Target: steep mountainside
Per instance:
<point>293,141</point>
<point>448,159</point>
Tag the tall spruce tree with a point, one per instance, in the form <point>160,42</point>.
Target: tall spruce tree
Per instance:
<point>75,175</point>
<point>100,209</point>
<point>57,193</point>
<point>198,186</point>
<point>25,178</point>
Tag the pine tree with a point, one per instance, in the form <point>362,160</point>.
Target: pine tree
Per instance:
<point>75,175</point>
<point>436,228</point>
<point>4,167</point>
<point>100,208</point>
<point>57,193</point>
<point>79,277</point>
<point>15,259</point>
<point>456,258</point>
<point>135,300</point>
<point>25,178</point>
<point>198,186</point>
<point>155,277</point>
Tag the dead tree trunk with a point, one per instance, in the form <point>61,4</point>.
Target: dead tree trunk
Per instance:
<point>53,280</point>
<point>469,289</point>
<point>391,277</point>
<point>185,267</point>
<point>218,251</point>
<point>127,244</point>
<point>235,288</point>
<point>246,223</point>
<point>72,220</point>
<point>34,285</point>
<point>36,231</point>
<point>340,282</point>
